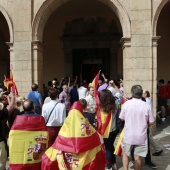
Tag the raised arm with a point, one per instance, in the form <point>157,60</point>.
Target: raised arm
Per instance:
<point>75,81</point>
<point>69,82</point>
<point>61,83</point>
<point>11,102</point>
<point>105,79</point>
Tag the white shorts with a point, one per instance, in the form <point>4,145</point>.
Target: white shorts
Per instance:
<point>139,150</point>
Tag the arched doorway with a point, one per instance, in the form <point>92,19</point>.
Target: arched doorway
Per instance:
<point>56,10</point>
<point>4,52</point>
<point>163,55</point>
<point>79,43</point>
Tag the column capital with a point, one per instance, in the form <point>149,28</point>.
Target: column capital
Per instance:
<point>125,42</point>
<point>37,45</point>
<point>10,45</point>
<point>155,41</point>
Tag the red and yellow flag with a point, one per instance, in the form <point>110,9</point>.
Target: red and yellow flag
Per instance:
<point>118,149</point>
<point>77,146</point>
<point>28,140</point>
<point>10,82</point>
<point>104,120</point>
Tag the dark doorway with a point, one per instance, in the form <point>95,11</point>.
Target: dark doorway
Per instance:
<point>87,62</point>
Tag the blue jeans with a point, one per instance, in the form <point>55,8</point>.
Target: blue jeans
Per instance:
<point>109,146</point>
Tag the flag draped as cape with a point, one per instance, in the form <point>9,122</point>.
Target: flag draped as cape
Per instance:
<point>28,140</point>
<point>77,146</point>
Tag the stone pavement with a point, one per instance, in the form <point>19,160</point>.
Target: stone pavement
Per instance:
<point>162,161</point>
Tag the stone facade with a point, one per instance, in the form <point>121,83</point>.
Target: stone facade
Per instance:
<point>31,22</point>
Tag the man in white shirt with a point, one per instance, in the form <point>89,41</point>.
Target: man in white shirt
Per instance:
<point>82,91</point>
<point>91,101</point>
<point>54,114</point>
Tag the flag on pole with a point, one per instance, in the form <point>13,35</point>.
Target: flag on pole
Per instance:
<point>77,146</point>
<point>28,140</point>
<point>103,119</point>
<point>10,82</point>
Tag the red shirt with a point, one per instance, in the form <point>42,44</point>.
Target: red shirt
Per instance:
<point>162,92</point>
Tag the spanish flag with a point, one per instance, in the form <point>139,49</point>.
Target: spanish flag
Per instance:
<point>118,149</point>
<point>77,146</point>
<point>104,120</point>
<point>28,140</point>
<point>10,82</point>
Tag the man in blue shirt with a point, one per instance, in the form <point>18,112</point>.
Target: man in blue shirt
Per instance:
<point>36,97</point>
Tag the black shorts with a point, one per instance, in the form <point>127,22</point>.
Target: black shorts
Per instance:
<point>162,102</point>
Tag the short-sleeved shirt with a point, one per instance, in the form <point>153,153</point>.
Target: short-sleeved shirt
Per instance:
<point>3,115</point>
<point>74,95</point>
<point>137,114</point>
<point>102,87</point>
<point>64,98</point>
<point>91,101</point>
<point>82,92</point>
<point>58,115</point>
<point>162,92</point>
<point>112,89</point>
<point>35,97</point>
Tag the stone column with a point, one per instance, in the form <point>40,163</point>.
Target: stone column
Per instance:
<point>126,46</point>
<point>154,72</point>
<point>37,63</point>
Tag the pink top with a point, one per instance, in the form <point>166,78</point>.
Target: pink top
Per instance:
<point>136,114</point>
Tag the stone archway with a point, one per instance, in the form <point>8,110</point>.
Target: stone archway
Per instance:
<point>155,44</point>
<point>50,6</point>
<point>9,22</point>
<point>156,16</point>
<point>6,41</point>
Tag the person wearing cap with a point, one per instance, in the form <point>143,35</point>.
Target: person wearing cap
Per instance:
<point>36,97</point>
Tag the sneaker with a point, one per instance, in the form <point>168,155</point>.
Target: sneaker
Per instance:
<point>114,167</point>
<point>163,119</point>
<point>151,165</point>
<point>157,153</point>
<point>109,169</point>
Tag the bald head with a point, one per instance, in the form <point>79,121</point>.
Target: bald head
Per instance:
<point>28,105</point>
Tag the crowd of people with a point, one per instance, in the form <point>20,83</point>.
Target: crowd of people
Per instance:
<point>57,98</point>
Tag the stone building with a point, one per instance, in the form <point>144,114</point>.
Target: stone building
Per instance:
<point>44,39</point>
